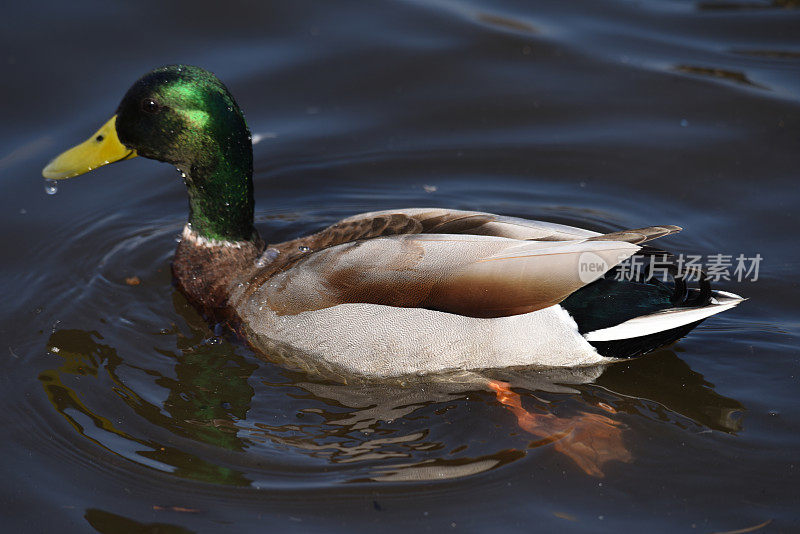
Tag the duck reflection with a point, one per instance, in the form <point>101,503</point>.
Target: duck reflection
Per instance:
<point>204,393</point>
<point>589,439</point>
<point>208,394</point>
<point>110,523</point>
<point>210,391</point>
<point>661,385</point>
<point>578,412</point>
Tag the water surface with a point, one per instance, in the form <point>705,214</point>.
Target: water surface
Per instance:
<point>125,412</point>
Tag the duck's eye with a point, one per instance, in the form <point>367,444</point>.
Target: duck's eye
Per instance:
<point>150,106</point>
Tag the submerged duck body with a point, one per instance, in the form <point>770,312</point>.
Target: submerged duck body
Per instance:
<point>385,293</point>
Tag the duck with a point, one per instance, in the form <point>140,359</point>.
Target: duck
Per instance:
<point>390,293</point>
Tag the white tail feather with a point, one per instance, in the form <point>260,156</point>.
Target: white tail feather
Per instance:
<point>665,319</point>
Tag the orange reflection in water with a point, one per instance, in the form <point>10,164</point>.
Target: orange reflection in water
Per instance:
<point>590,440</point>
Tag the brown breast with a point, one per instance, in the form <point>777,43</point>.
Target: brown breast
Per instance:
<point>206,274</point>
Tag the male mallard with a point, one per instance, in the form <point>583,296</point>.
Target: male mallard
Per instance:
<point>392,292</point>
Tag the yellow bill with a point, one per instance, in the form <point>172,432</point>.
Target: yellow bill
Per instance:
<point>100,149</point>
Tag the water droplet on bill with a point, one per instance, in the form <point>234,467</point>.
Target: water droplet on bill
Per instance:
<point>50,187</point>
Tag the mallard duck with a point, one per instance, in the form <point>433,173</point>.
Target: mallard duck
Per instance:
<point>386,293</point>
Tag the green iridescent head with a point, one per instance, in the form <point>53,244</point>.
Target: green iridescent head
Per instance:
<point>185,116</point>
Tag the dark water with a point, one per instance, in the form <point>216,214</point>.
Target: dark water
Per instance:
<point>122,412</point>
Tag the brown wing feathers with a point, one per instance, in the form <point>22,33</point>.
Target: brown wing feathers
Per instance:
<point>638,235</point>
<point>454,295</point>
